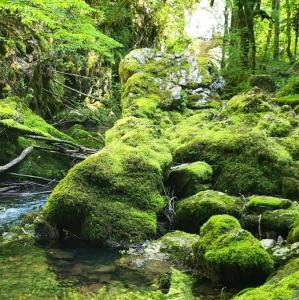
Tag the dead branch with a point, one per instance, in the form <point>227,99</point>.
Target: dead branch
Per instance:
<point>74,90</point>
<point>17,160</point>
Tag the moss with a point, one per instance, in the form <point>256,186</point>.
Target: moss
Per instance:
<point>247,103</point>
<point>189,179</point>
<point>16,121</point>
<point>260,204</point>
<point>246,161</point>
<point>291,100</point>
<point>282,285</point>
<point>269,220</point>
<point>193,212</point>
<point>293,235</point>
<point>274,125</point>
<point>262,81</point>
<point>178,245</point>
<point>229,254</point>
<point>291,87</point>
<point>122,182</point>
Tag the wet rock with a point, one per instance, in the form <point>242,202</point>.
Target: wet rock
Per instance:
<point>268,243</point>
<point>282,253</point>
<point>44,231</point>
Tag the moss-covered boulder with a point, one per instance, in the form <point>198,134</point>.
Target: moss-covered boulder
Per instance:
<point>17,121</point>
<point>115,194</point>
<point>260,204</point>
<point>193,212</point>
<point>230,254</point>
<point>270,216</point>
<point>179,246</point>
<point>283,285</point>
<point>248,152</point>
<point>188,179</point>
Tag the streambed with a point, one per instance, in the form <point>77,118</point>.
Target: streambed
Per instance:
<point>72,270</point>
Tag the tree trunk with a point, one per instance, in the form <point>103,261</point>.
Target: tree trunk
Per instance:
<point>276,18</point>
<point>289,35</point>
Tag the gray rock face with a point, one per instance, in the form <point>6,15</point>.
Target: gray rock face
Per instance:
<point>185,77</point>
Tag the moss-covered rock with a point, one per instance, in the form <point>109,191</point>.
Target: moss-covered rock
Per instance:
<point>193,212</point>
<point>270,216</point>
<point>189,179</point>
<point>230,254</point>
<point>17,121</point>
<point>262,81</point>
<point>293,235</point>
<point>116,193</point>
<point>259,204</point>
<point>283,285</point>
<point>178,245</point>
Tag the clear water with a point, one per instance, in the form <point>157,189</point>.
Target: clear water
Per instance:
<point>72,271</point>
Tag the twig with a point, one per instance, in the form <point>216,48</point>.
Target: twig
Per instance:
<point>74,90</point>
<point>17,160</point>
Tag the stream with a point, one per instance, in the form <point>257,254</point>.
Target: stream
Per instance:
<point>71,270</point>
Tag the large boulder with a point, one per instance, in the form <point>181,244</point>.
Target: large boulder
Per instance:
<point>249,153</point>
<point>115,194</point>
<point>229,254</point>
<point>193,212</point>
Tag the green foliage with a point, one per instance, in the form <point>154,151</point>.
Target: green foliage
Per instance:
<point>71,27</point>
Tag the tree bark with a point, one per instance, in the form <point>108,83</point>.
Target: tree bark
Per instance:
<point>276,18</point>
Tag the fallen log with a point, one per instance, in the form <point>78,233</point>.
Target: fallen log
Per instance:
<point>17,160</point>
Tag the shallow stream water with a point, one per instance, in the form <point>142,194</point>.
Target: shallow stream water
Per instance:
<point>76,271</point>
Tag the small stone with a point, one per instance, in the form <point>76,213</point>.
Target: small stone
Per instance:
<point>268,243</point>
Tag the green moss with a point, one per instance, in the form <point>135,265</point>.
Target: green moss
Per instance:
<point>283,285</point>
<point>269,220</point>
<point>16,121</point>
<point>189,179</point>
<point>248,103</point>
<point>193,212</point>
<point>274,125</point>
<point>290,88</point>
<point>292,100</point>
<point>293,235</point>
<point>247,161</point>
<point>229,254</point>
<point>178,245</point>
<point>260,204</point>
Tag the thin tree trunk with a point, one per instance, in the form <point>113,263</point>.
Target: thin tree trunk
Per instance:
<point>289,35</point>
<point>224,44</point>
<point>276,17</point>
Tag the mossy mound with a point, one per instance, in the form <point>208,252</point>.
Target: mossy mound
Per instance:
<point>193,212</point>
<point>270,216</point>
<point>283,285</point>
<point>251,145</point>
<point>230,254</point>
<point>17,121</point>
<point>259,204</point>
<point>115,194</point>
<point>293,235</point>
<point>188,179</point>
